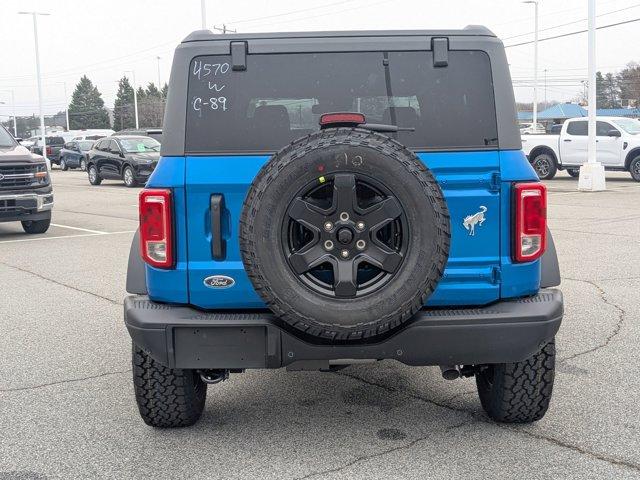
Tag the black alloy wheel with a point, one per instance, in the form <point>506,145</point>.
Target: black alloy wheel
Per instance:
<point>344,238</point>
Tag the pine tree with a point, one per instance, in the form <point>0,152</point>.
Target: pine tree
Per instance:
<point>601,97</point>
<point>86,109</point>
<point>123,112</point>
<point>165,91</point>
<point>629,83</point>
<point>612,90</point>
<point>150,106</point>
<point>152,91</point>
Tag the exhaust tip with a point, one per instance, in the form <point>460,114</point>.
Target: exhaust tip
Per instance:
<point>450,372</point>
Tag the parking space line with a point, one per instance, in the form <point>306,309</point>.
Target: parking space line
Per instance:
<point>66,236</point>
<point>77,228</point>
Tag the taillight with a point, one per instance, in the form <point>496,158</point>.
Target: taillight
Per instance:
<point>530,228</point>
<point>156,227</point>
<point>49,151</point>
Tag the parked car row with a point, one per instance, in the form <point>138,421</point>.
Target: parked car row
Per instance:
<point>130,155</point>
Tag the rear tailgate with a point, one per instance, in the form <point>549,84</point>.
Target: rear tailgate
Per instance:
<point>469,181</point>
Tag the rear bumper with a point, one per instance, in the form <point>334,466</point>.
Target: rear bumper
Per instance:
<point>183,337</point>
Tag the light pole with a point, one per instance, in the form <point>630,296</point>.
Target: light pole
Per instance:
<point>159,84</point>
<point>135,96</point>
<point>66,110</point>
<point>35,36</point>
<point>535,65</point>
<point>203,13</point>
<point>592,173</point>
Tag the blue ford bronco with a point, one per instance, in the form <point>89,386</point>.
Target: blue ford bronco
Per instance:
<point>331,198</point>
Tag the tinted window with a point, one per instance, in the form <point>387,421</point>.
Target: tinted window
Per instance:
<point>603,128</point>
<point>55,141</point>
<point>280,98</point>
<point>112,147</point>
<point>577,128</point>
<point>85,145</point>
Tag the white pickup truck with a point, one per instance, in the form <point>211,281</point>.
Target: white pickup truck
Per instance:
<point>618,147</point>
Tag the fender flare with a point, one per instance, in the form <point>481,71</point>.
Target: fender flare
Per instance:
<point>535,151</point>
<point>549,267</point>
<point>136,275</point>
<point>633,153</point>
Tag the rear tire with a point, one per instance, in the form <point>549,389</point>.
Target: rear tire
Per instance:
<point>63,165</point>
<point>36,226</point>
<point>83,165</point>
<point>574,172</point>
<point>94,176</point>
<point>518,392</point>
<point>545,166</point>
<point>166,397</point>
<point>634,169</point>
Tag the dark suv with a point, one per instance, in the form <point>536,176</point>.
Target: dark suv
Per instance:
<point>127,157</point>
<point>25,187</point>
<point>325,199</point>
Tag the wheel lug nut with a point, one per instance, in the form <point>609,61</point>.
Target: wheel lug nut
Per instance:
<point>328,226</point>
<point>328,245</point>
<point>360,244</point>
<point>344,253</point>
<point>344,216</point>
<point>360,226</point>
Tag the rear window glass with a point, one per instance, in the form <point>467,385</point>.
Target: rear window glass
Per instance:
<point>55,140</point>
<point>280,97</point>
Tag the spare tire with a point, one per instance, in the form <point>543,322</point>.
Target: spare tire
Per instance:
<point>344,234</point>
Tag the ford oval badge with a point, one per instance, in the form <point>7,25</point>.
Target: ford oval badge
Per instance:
<point>219,281</point>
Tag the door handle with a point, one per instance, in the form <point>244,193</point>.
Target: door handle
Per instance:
<point>218,244</point>
<point>567,139</point>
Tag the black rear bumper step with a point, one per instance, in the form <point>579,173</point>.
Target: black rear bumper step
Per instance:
<point>183,337</point>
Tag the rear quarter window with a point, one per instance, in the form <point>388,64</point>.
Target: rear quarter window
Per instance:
<point>280,97</point>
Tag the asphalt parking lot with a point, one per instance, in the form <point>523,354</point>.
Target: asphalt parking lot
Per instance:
<point>67,408</point>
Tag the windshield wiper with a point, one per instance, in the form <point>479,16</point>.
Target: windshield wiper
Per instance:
<point>381,127</point>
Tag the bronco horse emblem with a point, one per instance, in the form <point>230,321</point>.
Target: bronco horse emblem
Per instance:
<point>470,221</point>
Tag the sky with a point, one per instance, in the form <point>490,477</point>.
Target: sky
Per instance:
<point>103,39</point>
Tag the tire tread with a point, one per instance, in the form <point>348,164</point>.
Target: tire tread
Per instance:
<point>166,397</point>
<point>520,391</point>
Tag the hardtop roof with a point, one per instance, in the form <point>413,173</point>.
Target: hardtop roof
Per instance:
<point>468,31</point>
